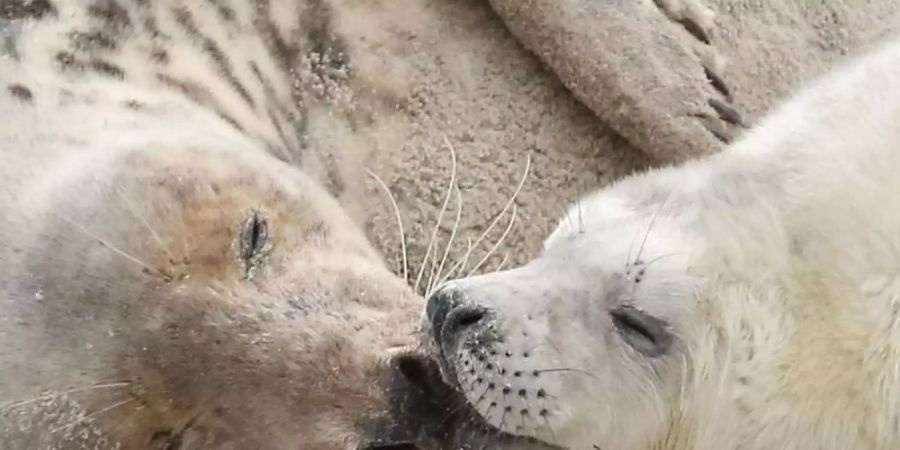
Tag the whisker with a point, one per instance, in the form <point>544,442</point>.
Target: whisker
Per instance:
<point>486,414</point>
<point>184,239</point>
<point>502,262</point>
<point>92,415</point>
<point>113,248</point>
<point>393,201</point>
<point>532,349</point>
<point>567,369</point>
<point>650,226</point>
<point>134,211</point>
<point>437,224</point>
<point>435,278</point>
<point>454,269</point>
<point>657,259</point>
<point>19,404</point>
<point>450,412</point>
<point>578,204</point>
<point>512,221</point>
<point>454,186</point>
<point>554,441</point>
<point>506,207</point>
<point>502,421</point>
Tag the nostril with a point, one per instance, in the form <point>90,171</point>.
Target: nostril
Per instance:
<point>460,319</point>
<point>414,370</point>
<point>470,317</point>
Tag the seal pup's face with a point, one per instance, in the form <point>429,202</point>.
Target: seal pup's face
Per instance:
<point>584,347</point>
<point>200,300</point>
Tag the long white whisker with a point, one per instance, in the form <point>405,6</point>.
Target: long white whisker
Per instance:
<point>432,283</point>
<point>502,262</point>
<point>568,370</point>
<point>554,441</point>
<point>579,205</point>
<point>512,220</point>
<point>440,218</point>
<point>61,393</point>
<point>399,221</point>
<point>455,268</point>
<point>134,211</point>
<point>92,415</point>
<point>506,207</point>
<point>110,246</point>
<point>650,227</point>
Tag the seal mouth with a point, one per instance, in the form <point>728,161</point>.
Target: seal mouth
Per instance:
<point>443,416</point>
<point>473,431</point>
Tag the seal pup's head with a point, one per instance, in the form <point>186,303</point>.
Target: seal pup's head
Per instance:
<point>599,342</point>
<point>197,299</point>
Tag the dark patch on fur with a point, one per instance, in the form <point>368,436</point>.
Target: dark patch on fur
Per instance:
<point>226,70</point>
<point>67,60</point>
<point>21,92</point>
<point>198,94</point>
<point>190,90</point>
<point>186,20</point>
<point>25,9</point>
<point>135,105</point>
<point>223,64</point>
<point>94,40</point>
<point>224,11</point>
<point>279,114</point>
<point>263,80</point>
<point>159,55</point>
<point>107,68</point>
<point>278,128</point>
<point>282,52</point>
<point>277,152</point>
<point>269,90</point>
<point>227,14</point>
<point>111,13</point>
<point>231,121</point>
<point>151,26</point>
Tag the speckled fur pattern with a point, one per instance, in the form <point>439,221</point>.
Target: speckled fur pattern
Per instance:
<point>760,284</point>
<point>178,273</point>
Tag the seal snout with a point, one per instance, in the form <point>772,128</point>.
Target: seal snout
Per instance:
<point>455,321</point>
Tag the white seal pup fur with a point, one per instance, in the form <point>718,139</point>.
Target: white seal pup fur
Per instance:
<point>750,300</point>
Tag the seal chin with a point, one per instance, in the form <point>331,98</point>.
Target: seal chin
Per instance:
<point>430,413</point>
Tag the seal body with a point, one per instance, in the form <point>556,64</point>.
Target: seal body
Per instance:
<point>172,278</point>
<point>743,301</point>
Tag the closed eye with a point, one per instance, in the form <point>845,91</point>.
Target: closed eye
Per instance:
<point>254,236</point>
<point>643,332</point>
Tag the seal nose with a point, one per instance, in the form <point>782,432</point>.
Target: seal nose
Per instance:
<point>450,316</point>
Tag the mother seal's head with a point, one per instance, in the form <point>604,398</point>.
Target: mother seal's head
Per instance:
<point>193,299</point>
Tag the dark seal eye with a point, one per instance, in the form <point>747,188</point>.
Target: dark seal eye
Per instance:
<point>254,234</point>
<point>643,332</point>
